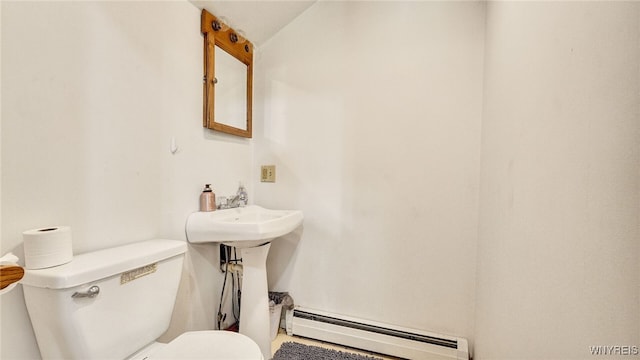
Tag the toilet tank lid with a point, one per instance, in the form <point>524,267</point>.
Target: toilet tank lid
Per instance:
<point>96,265</point>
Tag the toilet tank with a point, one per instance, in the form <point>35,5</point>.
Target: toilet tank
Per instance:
<point>138,284</point>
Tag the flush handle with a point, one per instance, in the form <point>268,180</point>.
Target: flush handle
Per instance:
<point>90,293</point>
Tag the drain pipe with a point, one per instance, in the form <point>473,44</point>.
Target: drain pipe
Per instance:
<point>231,267</point>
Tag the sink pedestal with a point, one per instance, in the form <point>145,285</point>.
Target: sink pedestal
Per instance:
<point>250,229</point>
<point>254,310</point>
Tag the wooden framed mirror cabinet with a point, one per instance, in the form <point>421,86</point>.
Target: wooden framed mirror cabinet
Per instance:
<point>228,78</point>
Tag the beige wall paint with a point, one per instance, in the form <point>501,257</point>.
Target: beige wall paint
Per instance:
<point>559,238</point>
<point>371,113</point>
<point>93,92</point>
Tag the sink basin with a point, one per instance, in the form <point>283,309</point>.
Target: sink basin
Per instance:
<point>247,226</point>
<point>250,228</point>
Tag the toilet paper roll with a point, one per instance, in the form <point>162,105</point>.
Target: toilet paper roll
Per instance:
<point>47,247</point>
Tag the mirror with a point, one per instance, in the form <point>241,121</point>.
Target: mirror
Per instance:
<point>228,78</point>
<point>230,103</point>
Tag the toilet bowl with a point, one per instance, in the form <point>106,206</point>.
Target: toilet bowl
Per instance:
<point>212,344</point>
<point>207,345</point>
<point>115,303</point>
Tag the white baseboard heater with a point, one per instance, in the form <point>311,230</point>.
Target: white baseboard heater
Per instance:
<point>375,337</point>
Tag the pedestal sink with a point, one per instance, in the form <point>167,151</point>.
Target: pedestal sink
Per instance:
<point>251,229</point>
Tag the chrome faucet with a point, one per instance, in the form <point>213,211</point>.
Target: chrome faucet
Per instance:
<point>240,199</point>
<point>233,201</point>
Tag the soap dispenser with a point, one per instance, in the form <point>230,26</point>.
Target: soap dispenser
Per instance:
<point>207,199</point>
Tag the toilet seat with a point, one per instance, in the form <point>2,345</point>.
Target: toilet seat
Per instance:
<point>215,344</point>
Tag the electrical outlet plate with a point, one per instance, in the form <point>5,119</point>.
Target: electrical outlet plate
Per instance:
<point>268,173</point>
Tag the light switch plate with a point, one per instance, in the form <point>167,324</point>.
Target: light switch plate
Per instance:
<point>268,173</point>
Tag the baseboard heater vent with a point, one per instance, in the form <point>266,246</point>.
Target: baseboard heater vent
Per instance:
<point>375,337</point>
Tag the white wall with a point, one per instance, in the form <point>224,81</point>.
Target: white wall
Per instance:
<point>560,197</point>
<point>371,112</point>
<point>92,94</point>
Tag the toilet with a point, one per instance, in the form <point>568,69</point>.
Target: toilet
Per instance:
<point>115,303</point>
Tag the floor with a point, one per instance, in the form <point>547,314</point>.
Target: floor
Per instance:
<point>283,337</point>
